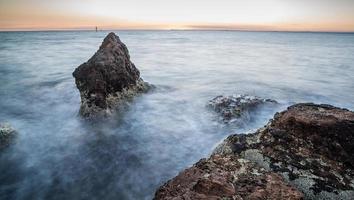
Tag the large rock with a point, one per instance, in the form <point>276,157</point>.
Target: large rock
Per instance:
<point>310,146</point>
<point>107,79</point>
<point>237,108</point>
<point>226,177</point>
<point>7,135</point>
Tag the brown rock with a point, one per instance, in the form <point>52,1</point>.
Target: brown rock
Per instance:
<point>311,146</point>
<point>307,149</point>
<point>107,79</point>
<point>227,177</point>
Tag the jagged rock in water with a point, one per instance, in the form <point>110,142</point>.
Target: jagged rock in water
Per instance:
<point>310,146</point>
<point>108,79</point>
<point>237,107</point>
<point>7,135</point>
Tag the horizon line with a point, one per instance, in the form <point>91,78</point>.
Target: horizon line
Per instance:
<point>164,29</point>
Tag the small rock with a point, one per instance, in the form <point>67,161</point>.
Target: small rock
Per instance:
<point>108,79</point>
<point>233,108</point>
<point>7,135</point>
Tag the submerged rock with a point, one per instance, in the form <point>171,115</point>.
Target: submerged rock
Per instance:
<point>236,107</point>
<point>7,135</point>
<point>310,146</point>
<point>108,79</point>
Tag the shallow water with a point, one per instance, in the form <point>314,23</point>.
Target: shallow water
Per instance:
<point>59,156</point>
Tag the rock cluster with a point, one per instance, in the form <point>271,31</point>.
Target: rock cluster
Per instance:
<point>237,107</point>
<point>107,79</point>
<point>7,135</point>
<point>309,146</point>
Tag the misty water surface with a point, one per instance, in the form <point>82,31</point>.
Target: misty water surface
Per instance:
<point>59,156</point>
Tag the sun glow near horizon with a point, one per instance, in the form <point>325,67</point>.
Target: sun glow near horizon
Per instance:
<point>290,15</point>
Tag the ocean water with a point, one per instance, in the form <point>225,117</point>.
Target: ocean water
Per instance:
<point>59,156</point>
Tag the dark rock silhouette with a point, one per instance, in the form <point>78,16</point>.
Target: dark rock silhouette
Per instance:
<point>310,147</point>
<point>107,79</point>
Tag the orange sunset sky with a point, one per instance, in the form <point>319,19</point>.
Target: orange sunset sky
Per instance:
<point>273,15</point>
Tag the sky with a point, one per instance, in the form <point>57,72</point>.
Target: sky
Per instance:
<point>270,15</point>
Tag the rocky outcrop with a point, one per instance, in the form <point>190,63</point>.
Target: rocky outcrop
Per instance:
<point>237,108</point>
<point>227,177</point>
<point>309,146</point>
<point>107,79</point>
<point>7,135</point>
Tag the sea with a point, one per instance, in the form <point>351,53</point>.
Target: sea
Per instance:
<point>58,155</point>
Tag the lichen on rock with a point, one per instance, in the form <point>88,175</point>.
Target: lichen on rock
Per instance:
<point>309,146</point>
<point>108,79</point>
<point>227,177</point>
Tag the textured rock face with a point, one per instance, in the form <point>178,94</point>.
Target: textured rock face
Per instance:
<point>236,108</point>
<point>108,78</point>
<point>311,147</point>
<point>7,135</point>
<point>227,177</point>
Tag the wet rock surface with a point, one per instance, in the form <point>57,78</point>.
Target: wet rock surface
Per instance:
<point>7,135</point>
<point>108,79</point>
<point>237,108</point>
<point>309,146</point>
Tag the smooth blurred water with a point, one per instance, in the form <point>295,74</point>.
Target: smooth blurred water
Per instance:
<point>59,156</point>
